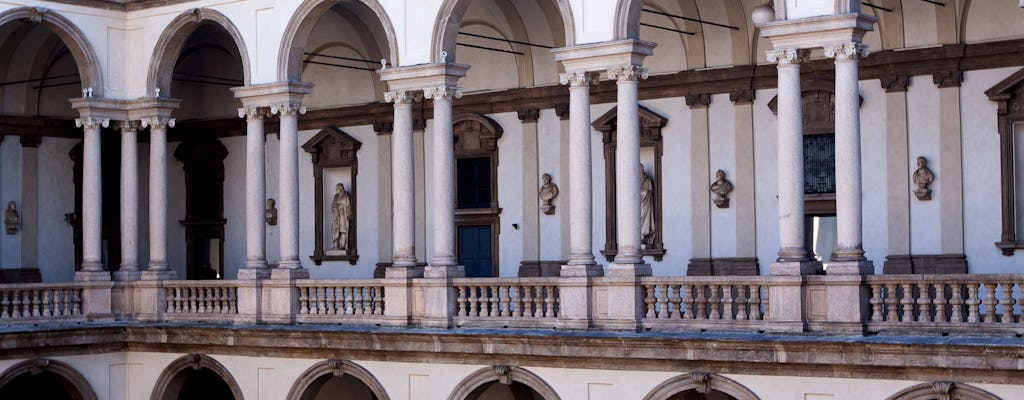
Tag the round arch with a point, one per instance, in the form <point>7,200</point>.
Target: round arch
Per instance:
<point>194,361</point>
<point>506,375</point>
<point>449,19</point>
<point>83,52</point>
<point>296,33</point>
<point>938,389</point>
<point>627,19</point>
<point>69,375</point>
<point>702,382</point>
<point>338,368</point>
<point>169,45</point>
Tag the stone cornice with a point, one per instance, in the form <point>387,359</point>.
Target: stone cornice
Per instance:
<point>599,57</point>
<point>895,357</point>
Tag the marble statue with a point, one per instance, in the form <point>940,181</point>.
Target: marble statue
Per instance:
<point>341,214</point>
<point>271,213</point>
<point>720,190</point>
<point>923,177</point>
<point>646,208</point>
<point>548,192</point>
<point>12,221</point>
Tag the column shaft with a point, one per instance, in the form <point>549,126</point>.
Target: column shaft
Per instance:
<point>627,166</point>
<point>848,171</point>
<point>129,198</point>
<point>790,157</point>
<point>443,185</point>
<point>92,196</point>
<point>581,223</point>
<point>255,189</point>
<point>158,194</point>
<point>403,183</point>
<point>288,187</point>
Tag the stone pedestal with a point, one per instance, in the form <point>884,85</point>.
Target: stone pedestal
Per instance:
<point>861,267</point>
<point>399,304</point>
<point>786,304</point>
<point>253,273</point>
<point>159,275</point>
<point>127,276</point>
<point>150,301</point>
<point>848,306</point>
<point>795,268</point>
<point>439,295</point>
<point>96,301</point>
<point>92,276</point>
<point>279,302</point>
<point>626,305</point>
<point>249,301</point>
<point>576,302</point>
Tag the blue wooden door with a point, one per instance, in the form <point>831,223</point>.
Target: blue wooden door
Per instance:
<point>475,252</point>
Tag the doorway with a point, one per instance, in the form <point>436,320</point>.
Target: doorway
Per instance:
<point>203,158</point>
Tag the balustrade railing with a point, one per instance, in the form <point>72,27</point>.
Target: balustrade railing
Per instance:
<point>695,302</point>
<point>335,301</point>
<point>200,300</point>
<point>946,303</point>
<point>506,301</point>
<point>40,302</point>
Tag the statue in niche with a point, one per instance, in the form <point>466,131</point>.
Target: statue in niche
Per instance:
<point>271,213</point>
<point>923,177</point>
<point>548,192</point>
<point>12,221</point>
<point>341,214</point>
<point>646,208</point>
<point>720,190</point>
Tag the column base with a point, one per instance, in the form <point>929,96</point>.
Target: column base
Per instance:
<point>289,274</point>
<point>92,276</point>
<point>159,275</point>
<point>444,271</point>
<point>629,270</point>
<point>795,268</point>
<point>581,270</point>
<point>253,273</point>
<point>127,276</point>
<point>256,264</point>
<point>403,272</point>
<point>859,267</point>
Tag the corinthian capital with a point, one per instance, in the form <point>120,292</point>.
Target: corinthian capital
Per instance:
<point>403,96</point>
<point>442,92</point>
<point>253,112</point>
<point>628,73</point>
<point>158,122</point>
<point>846,51</point>
<point>579,78</point>
<point>288,109</point>
<point>787,56</point>
<point>92,123</point>
<point>128,126</point>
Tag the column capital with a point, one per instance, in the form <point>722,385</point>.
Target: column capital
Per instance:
<point>403,96</point>
<point>846,51</point>
<point>130,126</point>
<point>254,113</point>
<point>288,109</point>
<point>442,92</point>
<point>787,56</point>
<point>627,73</point>
<point>158,122</point>
<point>579,78</point>
<point>92,123</point>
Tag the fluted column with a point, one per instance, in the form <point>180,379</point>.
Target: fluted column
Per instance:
<point>792,252</point>
<point>288,185</point>
<point>92,194</point>
<point>158,268</point>
<point>581,222</point>
<point>443,185</point>
<point>129,269</point>
<point>627,165</point>
<point>403,184</point>
<point>848,158</point>
<point>255,193</point>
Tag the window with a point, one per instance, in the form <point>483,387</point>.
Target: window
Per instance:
<point>474,182</point>
<point>1009,98</point>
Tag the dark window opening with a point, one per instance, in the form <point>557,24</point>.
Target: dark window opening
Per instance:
<point>820,163</point>
<point>474,182</point>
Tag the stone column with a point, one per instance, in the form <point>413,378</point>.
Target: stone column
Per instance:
<point>443,185</point>
<point>403,187</point>
<point>627,171</point>
<point>92,201</point>
<point>255,195</point>
<point>290,267</point>
<point>158,268</point>
<point>793,259</point>
<point>848,257</point>
<point>581,215</point>
<point>129,202</point>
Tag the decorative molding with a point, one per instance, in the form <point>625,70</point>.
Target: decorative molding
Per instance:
<point>442,92</point>
<point>895,83</point>
<point>403,96</point>
<point>846,51</point>
<point>504,374</point>
<point>164,387</point>
<point>528,115</point>
<point>335,368</point>
<point>72,380</point>
<point>742,96</point>
<point>562,111</point>
<point>698,100</point>
<point>128,126</point>
<point>383,127</point>
<point>1008,95</point>
<point>157,122</point>
<point>787,56</point>
<point>947,79</point>
<point>580,78</point>
<point>254,113</point>
<point>288,109</point>
<point>702,383</point>
<point>334,148</point>
<point>92,123</point>
<point>36,14</point>
<point>943,390</point>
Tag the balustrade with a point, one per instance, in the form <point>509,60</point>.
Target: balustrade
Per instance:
<point>945,303</point>
<point>506,301</point>
<point>336,300</point>
<point>703,302</point>
<point>40,302</point>
<point>201,300</point>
